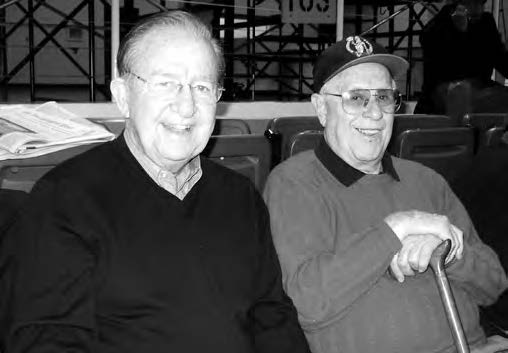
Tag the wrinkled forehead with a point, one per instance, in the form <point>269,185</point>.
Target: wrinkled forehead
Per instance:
<point>161,45</point>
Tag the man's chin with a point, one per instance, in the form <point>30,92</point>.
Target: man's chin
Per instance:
<point>371,160</point>
<point>369,156</point>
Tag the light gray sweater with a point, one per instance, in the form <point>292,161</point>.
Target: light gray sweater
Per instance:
<point>335,249</point>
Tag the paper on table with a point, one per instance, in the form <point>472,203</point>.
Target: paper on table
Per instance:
<point>27,132</point>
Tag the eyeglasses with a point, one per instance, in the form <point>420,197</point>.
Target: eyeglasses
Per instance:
<point>201,90</point>
<point>357,100</point>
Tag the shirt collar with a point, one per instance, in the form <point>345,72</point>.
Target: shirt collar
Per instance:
<point>177,184</point>
<point>345,173</point>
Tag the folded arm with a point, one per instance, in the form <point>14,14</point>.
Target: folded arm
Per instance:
<point>323,277</point>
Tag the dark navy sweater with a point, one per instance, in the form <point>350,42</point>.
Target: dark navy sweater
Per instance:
<point>107,261</point>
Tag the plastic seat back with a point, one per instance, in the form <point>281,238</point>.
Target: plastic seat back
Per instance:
<point>490,128</point>
<point>281,130</point>
<point>404,122</point>
<point>449,151</point>
<point>116,126</point>
<point>21,174</point>
<point>249,155</point>
<point>231,127</point>
<point>305,140</point>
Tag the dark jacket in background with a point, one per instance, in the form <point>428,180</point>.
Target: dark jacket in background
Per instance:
<point>450,55</point>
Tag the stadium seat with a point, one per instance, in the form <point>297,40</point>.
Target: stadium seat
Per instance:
<point>115,126</point>
<point>305,140</point>
<point>281,130</point>
<point>231,127</point>
<point>489,128</point>
<point>403,122</point>
<point>249,155</point>
<point>21,174</point>
<point>449,150</point>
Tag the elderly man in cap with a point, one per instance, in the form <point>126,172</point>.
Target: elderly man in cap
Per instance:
<point>354,227</point>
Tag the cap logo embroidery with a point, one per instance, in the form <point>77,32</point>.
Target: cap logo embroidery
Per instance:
<point>358,46</point>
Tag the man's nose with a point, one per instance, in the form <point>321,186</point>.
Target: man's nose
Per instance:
<point>184,103</point>
<point>373,110</point>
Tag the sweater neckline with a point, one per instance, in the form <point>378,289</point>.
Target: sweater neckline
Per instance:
<point>120,145</point>
<point>343,172</point>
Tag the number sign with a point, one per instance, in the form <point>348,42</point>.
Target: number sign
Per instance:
<point>309,11</point>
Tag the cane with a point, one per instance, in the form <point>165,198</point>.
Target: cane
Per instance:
<point>437,262</point>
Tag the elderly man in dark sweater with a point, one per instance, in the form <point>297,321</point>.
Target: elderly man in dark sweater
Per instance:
<point>355,227</point>
<point>142,246</point>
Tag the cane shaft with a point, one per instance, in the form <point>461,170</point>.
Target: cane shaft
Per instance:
<point>437,265</point>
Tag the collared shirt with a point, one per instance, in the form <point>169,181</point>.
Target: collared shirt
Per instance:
<point>177,184</point>
<point>345,173</point>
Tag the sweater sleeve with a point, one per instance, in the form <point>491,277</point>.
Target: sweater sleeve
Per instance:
<point>479,272</point>
<point>53,300</point>
<point>323,279</point>
<point>274,318</point>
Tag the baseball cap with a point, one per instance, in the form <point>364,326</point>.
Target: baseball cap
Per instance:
<point>352,51</point>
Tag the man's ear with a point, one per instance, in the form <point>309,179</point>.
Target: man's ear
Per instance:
<point>318,101</point>
<point>120,93</point>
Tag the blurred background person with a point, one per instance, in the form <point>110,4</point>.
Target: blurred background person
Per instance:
<point>461,46</point>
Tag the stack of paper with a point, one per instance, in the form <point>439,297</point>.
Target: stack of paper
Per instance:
<point>29,132</point>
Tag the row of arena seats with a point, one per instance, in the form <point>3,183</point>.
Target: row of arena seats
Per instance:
<point>487,128</point>
<point>438,141</point>
<point>231,144</point>
<point>248,154</point>
<point>435,140</point>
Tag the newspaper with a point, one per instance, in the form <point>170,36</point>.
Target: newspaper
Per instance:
<point>29,132</point>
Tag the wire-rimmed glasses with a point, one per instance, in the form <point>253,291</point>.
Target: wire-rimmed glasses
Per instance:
<point>356,101</point>
<point>201,90</point>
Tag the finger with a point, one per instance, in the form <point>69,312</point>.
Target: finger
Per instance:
<point>429,243</point>
<point>403,260</point>
<point>426,253</point>
<point>414,258</point>
<point>458,244</point>
<point>460,237</point>
<point>394,268</point>
<point>451,254</point>
<point>455,245</point>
